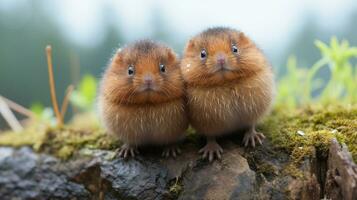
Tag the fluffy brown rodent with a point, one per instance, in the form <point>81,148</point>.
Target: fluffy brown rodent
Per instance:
<point>141,98</point>
<point>229,86</point>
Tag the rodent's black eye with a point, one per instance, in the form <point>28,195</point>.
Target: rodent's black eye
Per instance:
<point>203,54</point>
<point>131,70</point>
<point>162,68</point>
<point>234,48</point>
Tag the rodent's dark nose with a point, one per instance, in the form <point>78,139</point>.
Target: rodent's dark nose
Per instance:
<point>221,59</point>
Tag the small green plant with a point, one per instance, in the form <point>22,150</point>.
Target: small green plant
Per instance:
<point>84,96</point>
<point>289,86</point>
<point>343,82</point>
<point>43,114</point>
<point>298,84</point>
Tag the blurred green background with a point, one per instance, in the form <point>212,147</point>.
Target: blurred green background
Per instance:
<point>84,34</point>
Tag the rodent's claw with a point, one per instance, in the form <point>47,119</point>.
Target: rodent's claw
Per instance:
<point>174,151</point>
<point>126,151</point>
<point>252,136</point>
<point>211,150</point>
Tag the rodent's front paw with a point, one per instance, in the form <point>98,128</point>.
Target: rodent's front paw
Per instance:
<point>171,151</point>
<point>126,151</point>
<point>253,137</point>
<point>211,150</point>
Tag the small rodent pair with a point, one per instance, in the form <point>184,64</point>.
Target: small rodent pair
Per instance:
<point>223,83</point>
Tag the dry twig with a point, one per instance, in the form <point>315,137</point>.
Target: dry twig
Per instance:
<point>52,85</point>
<point>18,108</point>
<point>66,100</point>
<point>9,116</point>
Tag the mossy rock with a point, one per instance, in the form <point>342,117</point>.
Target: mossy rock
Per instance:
<point>281,168</point>
<point>295,131</point>
<point>300,131</point>
<point>62,142</point>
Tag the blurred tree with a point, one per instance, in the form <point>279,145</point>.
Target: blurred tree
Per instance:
<point>163,30</point>
<point>23,73</point>
<point>23,67</point>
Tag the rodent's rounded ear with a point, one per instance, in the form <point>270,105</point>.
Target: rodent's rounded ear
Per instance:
<point>191,44</point>
<point>118,57</point>
<point>243,39</point>
<point>171,56</point>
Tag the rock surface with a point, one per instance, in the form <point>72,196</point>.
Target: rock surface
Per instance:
<point>341,179</point>
<point>96,174</point>
<point>26,175</point>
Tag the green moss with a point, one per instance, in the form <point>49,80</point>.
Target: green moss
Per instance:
<point>176,188</point>
<point>29,137</point>
<point>293,170</point>
<point>300,131</point>
<point>65,152</point>
<point>61,142</point>
<point>266,169</point>
<point>316,125</point>
<point>192,136</point>
<point>65,141</point>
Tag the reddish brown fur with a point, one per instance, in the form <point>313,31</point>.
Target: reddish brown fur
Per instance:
<point>145,56</point>
<point>143,117</point>
<point>224,101</point>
